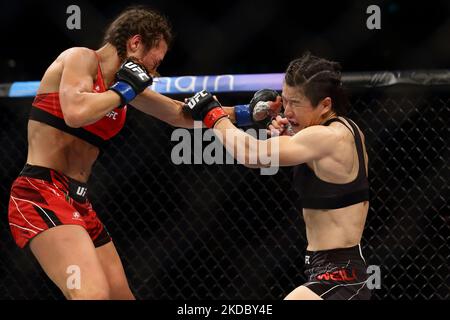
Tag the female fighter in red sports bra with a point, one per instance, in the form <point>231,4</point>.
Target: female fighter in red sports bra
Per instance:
<point>80,104</point>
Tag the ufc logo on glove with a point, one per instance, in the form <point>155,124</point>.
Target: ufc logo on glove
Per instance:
<point>135,68</point>
<point>195,99</point>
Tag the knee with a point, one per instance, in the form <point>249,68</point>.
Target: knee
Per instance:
<point>94,293</point>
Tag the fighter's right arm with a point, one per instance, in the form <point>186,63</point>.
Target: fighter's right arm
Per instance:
<point>79,105</point>
<point>169,110</point>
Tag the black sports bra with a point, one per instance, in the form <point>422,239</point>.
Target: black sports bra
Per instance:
<point>318,194</point>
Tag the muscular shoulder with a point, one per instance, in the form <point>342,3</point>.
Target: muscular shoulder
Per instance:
<point>80,59</point>
<point>316,141</point>
<point>77,55</point>
<point>319,135</point>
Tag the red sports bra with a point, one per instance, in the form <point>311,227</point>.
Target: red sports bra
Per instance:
<point>46,108</point>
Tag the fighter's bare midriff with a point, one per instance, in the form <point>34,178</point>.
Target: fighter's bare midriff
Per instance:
<point>53,148</point>
<point>343,227</point>
<point>337,228</point>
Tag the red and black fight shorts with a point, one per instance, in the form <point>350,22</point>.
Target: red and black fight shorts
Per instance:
<point>42,198</point>
<point>337,274</point>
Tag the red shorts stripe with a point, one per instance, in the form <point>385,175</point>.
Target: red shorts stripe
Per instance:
<point>37,205</point>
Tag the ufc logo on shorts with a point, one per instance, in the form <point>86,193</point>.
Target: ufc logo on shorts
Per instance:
<point>135,68</point>
<point>81,191</point>
<point>193,101</point>
<point>306,259</point>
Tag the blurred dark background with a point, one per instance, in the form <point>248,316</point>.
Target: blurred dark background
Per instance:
<point>238,36</point>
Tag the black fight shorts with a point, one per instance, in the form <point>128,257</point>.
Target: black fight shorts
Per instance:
<point>337,274</point>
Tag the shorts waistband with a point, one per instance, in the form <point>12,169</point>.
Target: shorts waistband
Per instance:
<point>336,255</point>
<point>75,189</point>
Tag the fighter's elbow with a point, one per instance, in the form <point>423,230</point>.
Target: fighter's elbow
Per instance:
<point>73,109</point>
<point>73,119</point>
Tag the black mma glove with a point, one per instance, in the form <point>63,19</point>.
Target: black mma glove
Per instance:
<point>259,112</point>
<point>203,107</point>
<point>131,79</point>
